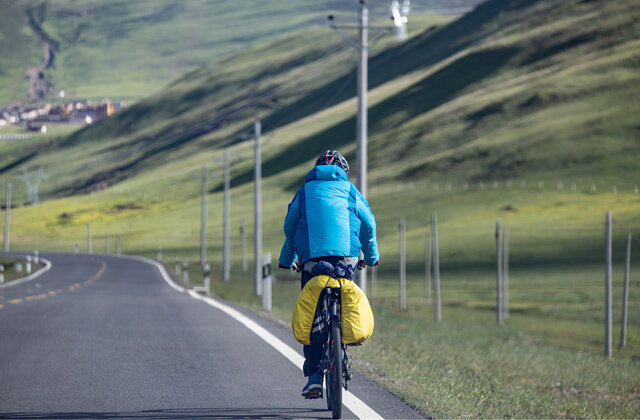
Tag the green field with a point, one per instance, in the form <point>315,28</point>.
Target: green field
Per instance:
<point>523,111</point>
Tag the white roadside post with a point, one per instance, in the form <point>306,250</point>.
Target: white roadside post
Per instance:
<point>177,270</point>
<point>185,272</point>
<point>159,254</point>
<point>18,267</point>
<point>28,265</point>
<point>77,248</point>
<point>1,274</point>
<point>36,258</point>
<point>266,281</point>
<point>206,282</point>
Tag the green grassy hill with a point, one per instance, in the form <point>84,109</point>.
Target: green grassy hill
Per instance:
<point>521,110</point>
<point>512,90</point>
<point>130,49</point>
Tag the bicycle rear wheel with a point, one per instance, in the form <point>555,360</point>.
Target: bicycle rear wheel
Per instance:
<point>334,371</point>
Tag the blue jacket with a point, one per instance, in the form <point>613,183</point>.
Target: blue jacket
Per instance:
<point>328,217</point>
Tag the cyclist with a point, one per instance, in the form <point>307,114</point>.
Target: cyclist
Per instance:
<point>328,220</point>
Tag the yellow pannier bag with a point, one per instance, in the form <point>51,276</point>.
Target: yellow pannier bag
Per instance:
<point>357,318</point>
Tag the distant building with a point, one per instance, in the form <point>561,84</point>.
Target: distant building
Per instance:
<point>37,128</point>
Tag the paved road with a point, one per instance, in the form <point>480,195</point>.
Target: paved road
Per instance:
<point>106,337</point>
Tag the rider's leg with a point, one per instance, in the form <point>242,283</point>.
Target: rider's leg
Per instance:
<point>312,353</point>
<point>313,356</point>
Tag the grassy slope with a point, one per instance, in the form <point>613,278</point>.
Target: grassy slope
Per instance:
<point>127,50</point>
<point>434,126</point>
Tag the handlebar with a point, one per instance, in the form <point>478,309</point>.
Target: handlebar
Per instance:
<point>298,267</point>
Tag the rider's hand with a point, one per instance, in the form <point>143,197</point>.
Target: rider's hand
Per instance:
<point>293,267</point>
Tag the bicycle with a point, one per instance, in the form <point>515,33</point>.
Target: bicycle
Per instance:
<point>336,360</point>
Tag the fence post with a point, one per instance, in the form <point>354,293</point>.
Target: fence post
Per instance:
<point>427,269</point>
<point>7,218</point>
<point>243,231</point>
<point>266,281</point>
<point>226,239</point>
<point>625,295</point>
<point>436,267</point>
<point>89,237</point>
<point>403,267</point>
<point>607,326</point>
<point>373,281</point>
<point>505,273</point>
<point>499,271</point>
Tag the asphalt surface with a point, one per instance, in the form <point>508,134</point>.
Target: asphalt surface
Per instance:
<point>105,337</point>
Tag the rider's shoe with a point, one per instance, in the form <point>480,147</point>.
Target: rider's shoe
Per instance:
<point>313,389</point>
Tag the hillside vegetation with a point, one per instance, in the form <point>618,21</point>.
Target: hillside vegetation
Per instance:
<point>129,49</point>
<point>514,89</point>
<point>524,110</point>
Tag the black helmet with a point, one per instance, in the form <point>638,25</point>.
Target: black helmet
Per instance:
<point>332,157</point>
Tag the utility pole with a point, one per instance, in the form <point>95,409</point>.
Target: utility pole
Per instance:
<point>257,256</point>
<point>7,218</point>
<point>203,218</point>
<point>226,260</point>
<point>362,88</point>
<point>362,46</point>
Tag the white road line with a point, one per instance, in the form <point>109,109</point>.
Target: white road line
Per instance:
<point>47,267</point>
<point>353,403</point>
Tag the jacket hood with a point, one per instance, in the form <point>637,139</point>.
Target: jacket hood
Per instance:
<point>327,173</point>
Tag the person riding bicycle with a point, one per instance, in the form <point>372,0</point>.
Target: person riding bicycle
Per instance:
<point>327,220</point>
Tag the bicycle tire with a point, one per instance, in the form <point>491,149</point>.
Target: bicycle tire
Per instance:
<point>334,374</point>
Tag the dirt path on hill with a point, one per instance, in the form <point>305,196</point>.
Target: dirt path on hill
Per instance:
<point>38,85</point>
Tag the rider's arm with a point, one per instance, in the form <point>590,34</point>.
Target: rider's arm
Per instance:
<point>367,230</point>
<point>287,254</point>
